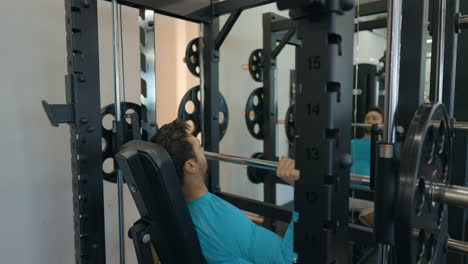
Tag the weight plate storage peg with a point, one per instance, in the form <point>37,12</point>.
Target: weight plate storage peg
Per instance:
<point>108,151</point>
<point>256,65</point>
<point>190,110</point>
<point>421,222</point>
<point>254,113</point>
<point>192,58</point>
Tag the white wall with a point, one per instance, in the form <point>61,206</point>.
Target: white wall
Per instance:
<point>36,223</point>
<point>369,46</point>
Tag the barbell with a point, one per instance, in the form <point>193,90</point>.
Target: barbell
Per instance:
<point>449,194</point>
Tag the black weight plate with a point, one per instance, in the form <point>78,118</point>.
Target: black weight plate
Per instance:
<point>256,175</point>
<point>194,115</point>
<point>254,113</point>
<point>192,58</point>
<point>108,150</point>
<point>421,223</point>
<point>290,123</point>
<point>256,65</point>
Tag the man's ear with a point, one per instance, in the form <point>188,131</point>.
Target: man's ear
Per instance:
<point>189,166</point>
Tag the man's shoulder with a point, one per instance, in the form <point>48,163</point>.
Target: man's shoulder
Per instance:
<point>360,141</point>
<point>214,207</point>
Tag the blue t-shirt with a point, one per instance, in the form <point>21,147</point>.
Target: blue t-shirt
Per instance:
<point>360,149</point>
<point>227,236</point>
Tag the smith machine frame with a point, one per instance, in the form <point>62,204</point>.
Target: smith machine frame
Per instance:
<point>323,99</point>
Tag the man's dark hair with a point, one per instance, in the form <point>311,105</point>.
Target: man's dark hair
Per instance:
<point>375,109</point>
<point>173,137</point>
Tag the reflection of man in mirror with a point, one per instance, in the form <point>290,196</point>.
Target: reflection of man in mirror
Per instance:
<point>360,147</point>
<point>373,116</point>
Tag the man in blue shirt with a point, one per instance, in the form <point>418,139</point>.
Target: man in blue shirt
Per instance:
<point>226,235</point>
<point>360,149</point>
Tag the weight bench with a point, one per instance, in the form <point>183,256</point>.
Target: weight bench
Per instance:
<point>165,227</point>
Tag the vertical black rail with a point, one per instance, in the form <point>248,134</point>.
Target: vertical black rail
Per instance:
<point>82,91</point>
<point>414,34</point>
<point>438,30</point>
<point>455,80</point>
<point>323,119</point>
<point>147,73</point>
<point>211,101</point>
<point>292,96</point>
<point>269,108</point>
<point>451,47</point>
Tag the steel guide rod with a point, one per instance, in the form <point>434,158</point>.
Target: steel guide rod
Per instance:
<point>392,69</point>
<point>116,45</point>
<point>385,176</point>
<point>438,53</point>
<point>201,48</point>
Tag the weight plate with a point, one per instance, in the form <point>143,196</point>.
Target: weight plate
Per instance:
<point>256,65</point>
<point>108,150</point>
<point>254,113</point>
<point>190,110</point>
<point>421,223</point>
<point>192,58</point>
<point>289,125</point>
<point>256,175</point>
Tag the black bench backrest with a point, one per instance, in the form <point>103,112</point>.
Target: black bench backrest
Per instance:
<point>150,174</point>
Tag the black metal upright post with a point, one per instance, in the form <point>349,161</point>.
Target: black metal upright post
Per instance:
<point>211,100</point>
<point>82,93</point>
<point>147,73</point>
<point>450,61</point>
<point>269,108</point>
<point>414,34</point>
<point>455,80</point>
<point>323,119</point>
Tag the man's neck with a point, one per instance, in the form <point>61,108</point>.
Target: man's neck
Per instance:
<point>194,188</point>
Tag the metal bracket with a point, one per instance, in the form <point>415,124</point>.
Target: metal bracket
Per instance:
<point>59,113</point>
<point>227,28</point>
<point>291,32</point>
<point>141,234</point>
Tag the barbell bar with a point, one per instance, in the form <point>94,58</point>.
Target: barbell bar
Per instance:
<point>451,194</point>
<point>453,245</point>
<point>459,128</point>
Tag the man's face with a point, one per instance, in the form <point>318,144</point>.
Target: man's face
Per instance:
<point>201,165</point>
<point>373,117</point>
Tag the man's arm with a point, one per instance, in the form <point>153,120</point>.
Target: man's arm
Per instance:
<point>266,246</point>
